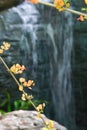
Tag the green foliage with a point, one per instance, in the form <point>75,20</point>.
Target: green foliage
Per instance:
<point>17,104</point>
<point>24,105</point>
<point>2,112</point>
<point>6,102</point>
<point>67,1</point>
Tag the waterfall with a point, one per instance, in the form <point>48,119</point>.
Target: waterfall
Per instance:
<point>61,87</point>
<point>45,41</point>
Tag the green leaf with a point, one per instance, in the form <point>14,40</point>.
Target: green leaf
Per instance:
<point>67,1</point>
<point>2,112</point>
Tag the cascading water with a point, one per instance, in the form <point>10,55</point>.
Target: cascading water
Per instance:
<point>44,38</point>
<point>61,87</point>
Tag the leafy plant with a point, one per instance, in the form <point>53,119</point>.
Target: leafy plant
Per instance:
<point>17,104</point>
<point>25,105</point>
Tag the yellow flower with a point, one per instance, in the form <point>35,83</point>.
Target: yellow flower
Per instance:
<point>6,45</point>
<point>23,97</point>
<point>19,72</point>
<point>29,97</point>
<point>85,1</point>
<point>2,47</point>
<point>39,115</point>
<point>59,3</point>
<point>22,80</point>
<point>13,69</point>
<point>17,69</point>
<point>40,107</point>
<point>18,66</point>
<point>51,124</point>
<point>67,5</point>
<point>25,84</point>
<point>1,51</point>
<point>23,67</point>
<point>20,88</point>
<point>30,82</point>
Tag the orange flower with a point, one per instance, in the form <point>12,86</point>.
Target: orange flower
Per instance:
<point>81,18</point>
<point>59,3</point>
<point>34,1</point>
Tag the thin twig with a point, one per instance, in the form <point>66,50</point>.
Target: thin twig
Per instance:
<point>65,9</point>
<point>13,76</point>
<point>7,68</point>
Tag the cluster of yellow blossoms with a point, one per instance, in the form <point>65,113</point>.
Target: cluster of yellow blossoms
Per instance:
<point>25,83</point>
<point>50,125</point>
<point>25,97</point>
<point>4,47</point>
<point>40,107</point>
<point>61,4</point>
<point>17,69</point>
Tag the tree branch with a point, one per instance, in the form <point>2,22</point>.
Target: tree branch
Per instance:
<point>6,4</point>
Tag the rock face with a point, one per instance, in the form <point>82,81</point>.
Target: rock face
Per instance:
<point>24,120</point>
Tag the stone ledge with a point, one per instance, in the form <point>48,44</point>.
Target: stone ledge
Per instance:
<point>24,120</point>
